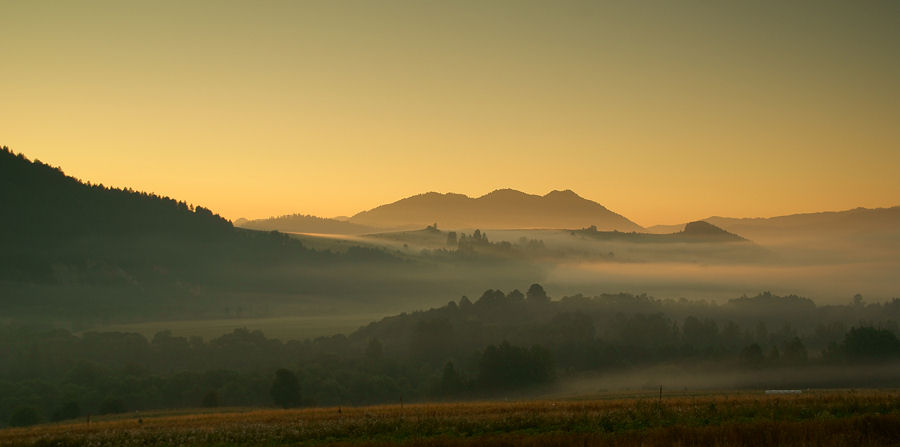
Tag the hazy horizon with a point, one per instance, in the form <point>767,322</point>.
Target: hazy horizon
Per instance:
<point>661,112</point>
<point>538,193</point>
<point>498,188</point>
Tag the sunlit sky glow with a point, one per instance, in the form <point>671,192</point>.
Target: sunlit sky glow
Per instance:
<point>662,111</point>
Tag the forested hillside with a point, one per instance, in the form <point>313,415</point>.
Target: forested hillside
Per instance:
<point>59,229</point>
<point>84,253</point>
<point>76,250</point>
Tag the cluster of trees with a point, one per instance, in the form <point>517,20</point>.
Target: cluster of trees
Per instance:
<point>622,330</point>
<point>51,374</point>
<point>500,343</point>
<point>477,244</point>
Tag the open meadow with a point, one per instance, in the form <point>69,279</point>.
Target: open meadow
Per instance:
<point>820,418</point>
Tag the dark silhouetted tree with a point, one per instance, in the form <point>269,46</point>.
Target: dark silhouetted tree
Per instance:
<point>491,298</point>
<point>285,390</point>
<point>536,294</point>
<point>868,343</point>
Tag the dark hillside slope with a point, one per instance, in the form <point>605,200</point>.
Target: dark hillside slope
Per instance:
<point>72,251</point>
<point>76,250</point>
<point>56,228</point>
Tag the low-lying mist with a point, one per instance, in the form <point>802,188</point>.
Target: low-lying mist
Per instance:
<point>680,378</point>
<point>826,284</point>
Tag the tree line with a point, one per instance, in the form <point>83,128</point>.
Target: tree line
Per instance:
<point>499,344</point>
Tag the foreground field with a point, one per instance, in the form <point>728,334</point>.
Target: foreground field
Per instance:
<point>834,418</point>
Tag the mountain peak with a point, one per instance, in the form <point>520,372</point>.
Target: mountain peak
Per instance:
<point>504,193</point>
<point>703,229</point>
<point>566,193</point>
<point>504,208</point>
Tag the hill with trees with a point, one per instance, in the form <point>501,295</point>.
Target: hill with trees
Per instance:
<point>81,254</point>
<point>59,229</point>
<point>75,250</point>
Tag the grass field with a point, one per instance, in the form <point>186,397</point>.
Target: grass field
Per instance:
<point>824,418</point>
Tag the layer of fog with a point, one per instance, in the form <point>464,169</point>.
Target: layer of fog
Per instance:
<point>680,379</point>
<point>825,267</point>
<point>825,284</point>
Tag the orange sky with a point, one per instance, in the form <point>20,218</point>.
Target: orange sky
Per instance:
<point>664,112</point>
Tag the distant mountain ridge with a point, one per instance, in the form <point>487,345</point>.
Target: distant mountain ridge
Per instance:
<point>502,208</point>
<point>857,220</point>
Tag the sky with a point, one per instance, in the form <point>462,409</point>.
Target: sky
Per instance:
<point>662,111</point>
